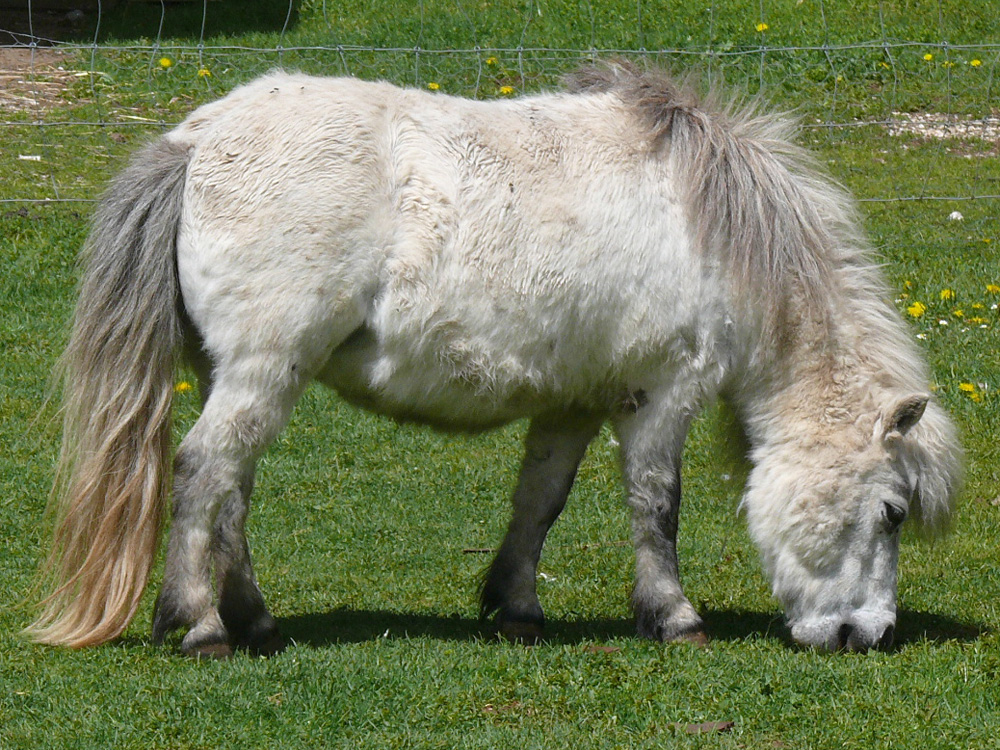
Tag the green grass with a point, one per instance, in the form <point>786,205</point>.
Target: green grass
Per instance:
<point>365,533</point>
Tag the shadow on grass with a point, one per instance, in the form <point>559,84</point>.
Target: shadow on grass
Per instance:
<point>356,626</point>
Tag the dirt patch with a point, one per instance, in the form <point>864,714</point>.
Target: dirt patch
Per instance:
<point>32,80</point>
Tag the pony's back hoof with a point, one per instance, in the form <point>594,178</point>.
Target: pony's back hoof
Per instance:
<point>524,633</point>
<point>214,651</point>
<point>271,647</point>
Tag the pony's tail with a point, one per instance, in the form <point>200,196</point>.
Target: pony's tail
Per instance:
<point>113,474</point>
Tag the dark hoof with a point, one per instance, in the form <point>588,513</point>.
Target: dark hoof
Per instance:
<point>271,647</point>
<point>524,633</point>
<point>696,638</point>
<point>655,629</point>
<point>213,651</point>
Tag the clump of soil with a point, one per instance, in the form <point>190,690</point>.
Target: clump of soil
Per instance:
<point>32,79</point>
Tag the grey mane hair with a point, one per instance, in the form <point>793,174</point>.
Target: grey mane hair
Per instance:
<point>777,224</point>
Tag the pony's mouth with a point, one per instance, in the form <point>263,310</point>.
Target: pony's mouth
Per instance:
<point>861,630</point>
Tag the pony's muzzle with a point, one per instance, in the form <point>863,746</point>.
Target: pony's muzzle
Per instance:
<point>861,632</point>
<point>848,639</point>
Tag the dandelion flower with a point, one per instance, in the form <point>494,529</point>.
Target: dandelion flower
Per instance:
<point>762,27</point>
<point>975,63</point>
<point>204,73</point>
<point>947,294</point>
<point>491,61</point>
<point>182,387</point>
<point>993,288</point>
<point>166,62</point>
<point>928,57</point>
<point>970,390</point>
<point>916,309</point>
<point>958,313</point>
<point>506,90</point>
<point>433,86</point>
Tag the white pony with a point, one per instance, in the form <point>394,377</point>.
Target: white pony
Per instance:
<point>624,251</point>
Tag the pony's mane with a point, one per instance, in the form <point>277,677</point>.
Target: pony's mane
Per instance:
<point>780,228</point>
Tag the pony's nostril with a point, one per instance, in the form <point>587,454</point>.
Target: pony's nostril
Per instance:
<point>885,642</point>
<point>844,635</point>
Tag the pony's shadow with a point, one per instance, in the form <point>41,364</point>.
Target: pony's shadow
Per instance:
<point>339,626</point>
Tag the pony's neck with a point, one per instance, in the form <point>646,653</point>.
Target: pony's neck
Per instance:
<point>822,381</point>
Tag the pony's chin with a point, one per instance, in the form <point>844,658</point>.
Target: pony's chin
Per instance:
<point>861,630</point>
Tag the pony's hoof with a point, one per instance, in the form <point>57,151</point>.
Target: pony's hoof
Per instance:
<point>274,645</point>
<point>212,651</point>
<point>524,633</point>
<point>695,638</point>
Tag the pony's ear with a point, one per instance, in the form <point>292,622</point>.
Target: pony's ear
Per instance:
<point>901,414</point>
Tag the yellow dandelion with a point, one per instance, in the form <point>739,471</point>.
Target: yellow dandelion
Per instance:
<point>182,387</point>
<point>506,90</point>
<point>971,390</point>
<point>907,284</point>
<point>928,57</point>
<point>975,63</point>
<point>948,64</point>
<point>762,27</point>
<point>433,86</point>
<point>491,61</point>
<point>993,288</point>
<point>204,73</point>
<point>978,306</point>
<point>947,294</point>
<point>958,313</point>
<point>977,321</point>
<point>916,309</point>
<point>166,62</point>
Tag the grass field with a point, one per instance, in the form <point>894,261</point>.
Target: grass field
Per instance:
<point>368,536</point>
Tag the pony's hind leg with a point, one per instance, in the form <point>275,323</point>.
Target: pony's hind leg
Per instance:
<point>553,450</point>
<point>652,438</point>
<point>212,481</point>
<point>241,604</point>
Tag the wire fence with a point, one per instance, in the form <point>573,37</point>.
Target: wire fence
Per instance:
<point>74,101</point>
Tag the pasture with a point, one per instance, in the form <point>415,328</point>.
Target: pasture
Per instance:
<point>370,537</point>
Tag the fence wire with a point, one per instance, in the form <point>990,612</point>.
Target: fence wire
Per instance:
<point>73,103</point>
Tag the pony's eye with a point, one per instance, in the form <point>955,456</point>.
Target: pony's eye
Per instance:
<point>894,516</point>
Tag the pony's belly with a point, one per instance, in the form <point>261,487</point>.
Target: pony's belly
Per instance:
<point>420,390</point>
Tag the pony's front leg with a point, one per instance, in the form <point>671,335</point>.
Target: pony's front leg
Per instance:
<point>553,450</point>
<point>652,440</point>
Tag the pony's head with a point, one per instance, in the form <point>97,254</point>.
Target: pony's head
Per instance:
<point>827,516</point>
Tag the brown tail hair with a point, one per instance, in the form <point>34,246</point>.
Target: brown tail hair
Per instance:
<point>113,475</point>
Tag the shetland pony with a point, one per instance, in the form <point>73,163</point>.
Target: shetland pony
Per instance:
<point>622,251</point>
